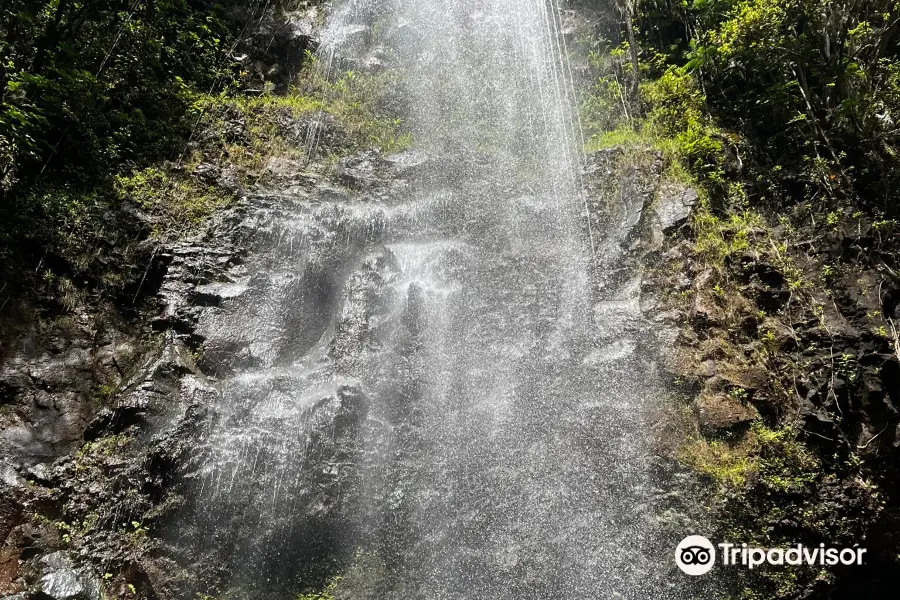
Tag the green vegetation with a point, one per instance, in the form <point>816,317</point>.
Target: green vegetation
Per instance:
<point>772,95</point>
<point>772,458</point>
<point>675,121</point>
<point>87,88</point>
<point>92,454</point>
<point>718,237</point>
<point>325,594</point>
<point>352,100</point>
<point>784,117</point>
<point>174,199</point>
<point>97,107</point>
<point>771,490</point>
<point>107,109</point>
<point>727,465</point>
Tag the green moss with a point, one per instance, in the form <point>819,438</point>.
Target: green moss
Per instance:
<point>325,594</point>
<point>726,464</point>
<point>767,488</point>
<point>624,136</point>
<point>784,463</point>
<point>104,391</point>
<point>179,200</point>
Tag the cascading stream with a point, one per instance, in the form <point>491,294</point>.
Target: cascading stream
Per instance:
<point>495,404</point>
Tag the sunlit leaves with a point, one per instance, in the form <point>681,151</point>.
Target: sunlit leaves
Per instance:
<point>804,78</point>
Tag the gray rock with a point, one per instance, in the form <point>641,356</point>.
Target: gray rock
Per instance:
<point>674,205</point>
<point>40,472</point>
<point>61,581</point>
<point>362,170</point>
<point>61,584</point>
<point>160,381</point>
<point>213,294</point>
<point>411,163</point>
<point>56,560</point>
<point>207,172</point>
<point>9,476</point>
<point>283,171</point>
<point>304,23</point>
<point>719,412</point>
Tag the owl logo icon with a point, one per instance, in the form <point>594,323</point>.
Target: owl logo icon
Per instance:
<point>695,555</point>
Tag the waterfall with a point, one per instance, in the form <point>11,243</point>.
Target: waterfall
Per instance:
<point>430,393</point>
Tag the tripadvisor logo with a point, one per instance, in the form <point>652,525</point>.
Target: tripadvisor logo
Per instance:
<point>696,555</point>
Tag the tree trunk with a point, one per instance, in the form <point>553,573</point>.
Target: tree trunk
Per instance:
<point>628,11</point>
<point>50,37</point>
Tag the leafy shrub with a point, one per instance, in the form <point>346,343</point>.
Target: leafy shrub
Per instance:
<point>677,112</point>
<point>87,87</point>
<point>811,86</point>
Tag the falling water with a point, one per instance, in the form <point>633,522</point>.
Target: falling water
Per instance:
<point>430,392</point>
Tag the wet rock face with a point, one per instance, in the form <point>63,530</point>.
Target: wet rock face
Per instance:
<point>93,417</point>
<point>636,212</point>
<point>147,450</point>
<point>97,409</point>
<point>50,383</point>
<point>169,449</point>
<point>287,468</point>
<point>277,518</point>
